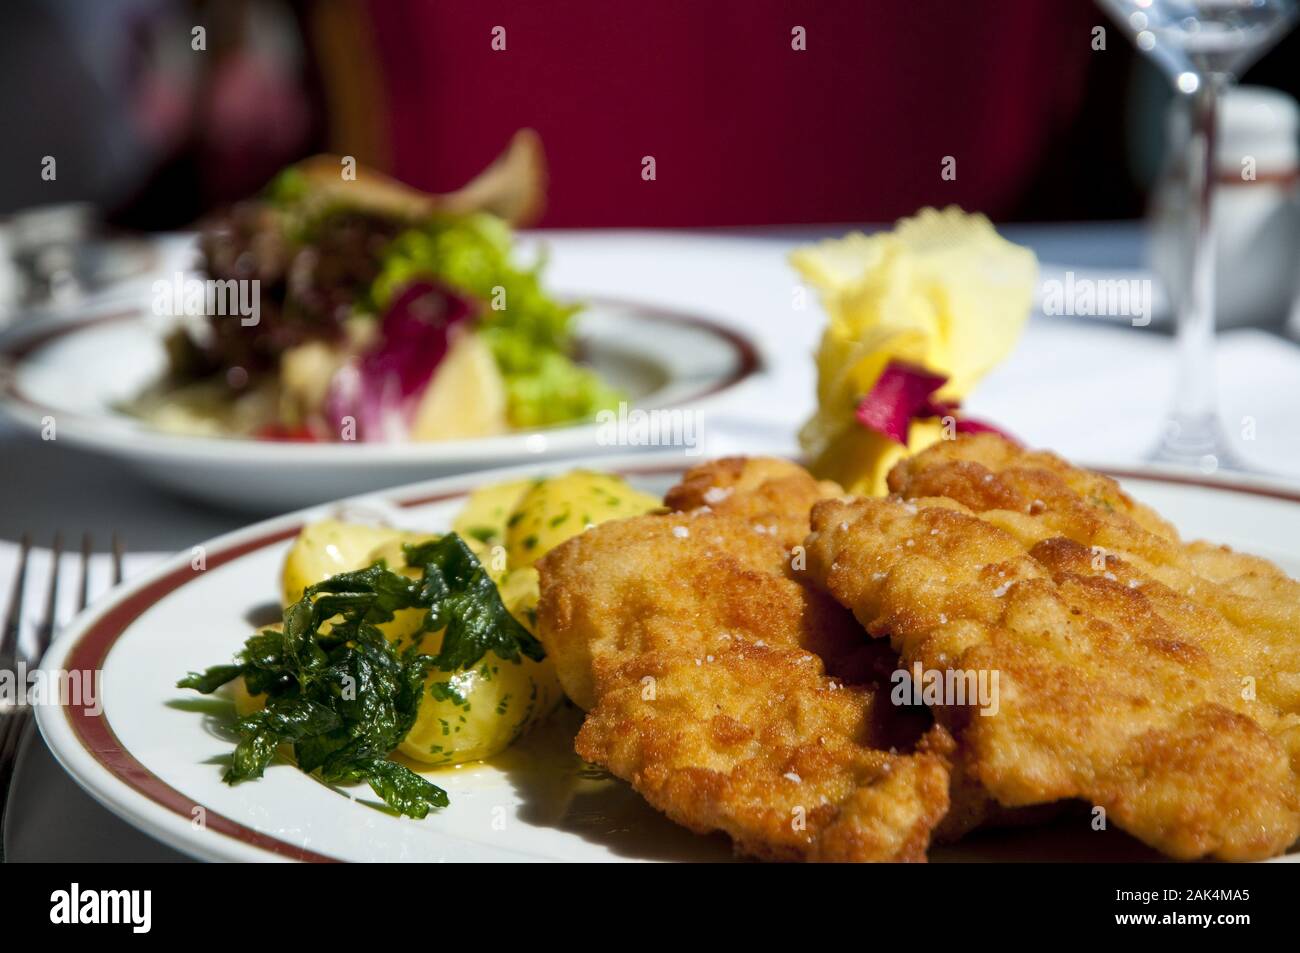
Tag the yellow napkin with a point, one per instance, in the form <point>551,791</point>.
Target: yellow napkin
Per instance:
<point>942,290</point>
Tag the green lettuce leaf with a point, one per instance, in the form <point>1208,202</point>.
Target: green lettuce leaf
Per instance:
<point>528,331</point>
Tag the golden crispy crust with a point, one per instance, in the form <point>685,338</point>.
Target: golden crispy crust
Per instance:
<point>703,667</point>
<point>632,586</point>
<point>1152,678</point>
<point>758,743</point>
<point>772,495</point>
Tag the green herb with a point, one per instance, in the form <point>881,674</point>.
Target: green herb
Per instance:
<point>462,597</point>
<point>288,188</point>
<point>446,692</point>
<point>341,694</point>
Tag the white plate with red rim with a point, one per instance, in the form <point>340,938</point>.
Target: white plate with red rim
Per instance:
<point>73,374</point>
<point>152,754</point>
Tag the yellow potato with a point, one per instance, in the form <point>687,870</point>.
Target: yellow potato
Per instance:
<point>473,714</point>
<point>520,590</point>
<point>557,509</point>
<point>485,513</point>
<point>476,713</point>
<point>328,547</point>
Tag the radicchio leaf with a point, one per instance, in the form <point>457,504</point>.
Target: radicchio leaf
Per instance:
<point>905,392</point>
<point>969,425</point>
<point>900,394</point>
<point>381,389</point>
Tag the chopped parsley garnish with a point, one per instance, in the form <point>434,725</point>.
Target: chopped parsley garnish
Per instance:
<point>341,694</point>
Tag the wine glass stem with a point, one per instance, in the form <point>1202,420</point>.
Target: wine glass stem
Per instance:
<point>1193,433</point>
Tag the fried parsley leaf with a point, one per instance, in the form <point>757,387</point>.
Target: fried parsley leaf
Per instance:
<point>463,598</point>
<point>209,681</point>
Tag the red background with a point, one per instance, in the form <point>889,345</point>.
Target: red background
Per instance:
<point>744,130</point>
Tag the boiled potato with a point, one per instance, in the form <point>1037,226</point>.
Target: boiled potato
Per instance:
<point>554,510</point>
<point>468,715</point>
<point>488,509</point>
<point>473,714</point>
<point>476,713</point>
<point>520,590</point>
<point>328,547</point>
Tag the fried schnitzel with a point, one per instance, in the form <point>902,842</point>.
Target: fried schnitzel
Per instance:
<point>728,694</point>
<point>1156,679</point>
<point>772,496</point>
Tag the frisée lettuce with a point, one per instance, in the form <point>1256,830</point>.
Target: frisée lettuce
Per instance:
<point>528,331</point>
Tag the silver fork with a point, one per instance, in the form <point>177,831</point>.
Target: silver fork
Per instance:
<point>16,716</point>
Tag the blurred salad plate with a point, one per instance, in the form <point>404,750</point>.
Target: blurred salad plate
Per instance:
<point>345,332</point>
<point>68,382</point>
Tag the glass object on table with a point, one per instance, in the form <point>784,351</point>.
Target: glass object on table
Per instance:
<point>57,258</point>
<point>1202,46</point>
<point>1256,212</point>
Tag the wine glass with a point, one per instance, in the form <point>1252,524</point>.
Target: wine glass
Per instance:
<point>1202,46</point>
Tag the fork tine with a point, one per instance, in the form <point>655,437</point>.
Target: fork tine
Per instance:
<point>83,585</point>
<point>45,631</point>
<point>12,722</point>
<point>11,731</point>
<point>118,550</point>
<point>14,614</point>
<point>13,728</point>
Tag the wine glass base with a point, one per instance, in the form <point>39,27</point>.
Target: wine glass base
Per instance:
<point>1196,444</point>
